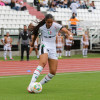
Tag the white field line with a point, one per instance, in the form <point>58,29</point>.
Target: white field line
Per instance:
<point>56,74</point>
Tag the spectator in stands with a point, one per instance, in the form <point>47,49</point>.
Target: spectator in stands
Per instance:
<point>6,2</point>
<point>88,3</point>
<point>85,5</point>
<point>44,3</point>
<point>79,4</point>
<point>74,20</point>
<point>64,4</point>
<point>74,7</point>
<point>7,42</point>
<point>1,3</point>
<point>69,3</point>
<point>26,36</point>
<point>52,7</point>
<point>18,5</point>
<point>12,5</point>
<point>92,5</point>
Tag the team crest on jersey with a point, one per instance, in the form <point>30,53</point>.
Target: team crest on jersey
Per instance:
<point>49,32</point>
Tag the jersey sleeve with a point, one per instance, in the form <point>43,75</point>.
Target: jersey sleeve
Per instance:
<point>58,27</point>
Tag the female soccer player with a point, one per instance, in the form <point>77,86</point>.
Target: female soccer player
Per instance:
<point>47,51</point>
<point>7,41</point>
<point>85,42</point>
<point>68,45</point>
<point>59,44</point>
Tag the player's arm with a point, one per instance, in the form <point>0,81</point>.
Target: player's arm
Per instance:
<point>67,33</point>
<point>62,40</point>
<point>56,39</point>
<point>11,41</point>
<point>3,41</point>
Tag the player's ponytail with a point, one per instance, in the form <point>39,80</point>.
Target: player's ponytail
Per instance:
<point>41,23</point>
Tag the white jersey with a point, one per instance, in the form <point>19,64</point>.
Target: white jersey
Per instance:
<point>68,42</point>
<point>48,36</point>
<point>86,40</point>
<point>7,46</point>
<point>59,41</point>
<point>8,41</point>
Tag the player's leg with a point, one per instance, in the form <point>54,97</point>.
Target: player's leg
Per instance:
<point>22,51</point>
<point>60,52</point>
<point>31,49</point>
<point>66,52</point>
<point>69,47</point>
<point>52,67</point>
<point>5,52</point>
<point>27,51</point>
<point>42,63</point>
<point>86,49</point>
<point>83,51</point>
<point>10,53</point>
<point>36,51</point>
<point>57,51</point>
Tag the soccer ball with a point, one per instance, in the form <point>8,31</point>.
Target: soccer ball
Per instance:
<point>36,87</point>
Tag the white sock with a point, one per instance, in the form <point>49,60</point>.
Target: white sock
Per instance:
<point>5,54</point>
<point>86,50</point>
<point>47,78</point>
<point>69,53</point>
<point>36,74</point>
<point>37,56</point>
<point>66,53</point>
<point>10,54</point>
<point>83,52</point>
<point>60,54</point>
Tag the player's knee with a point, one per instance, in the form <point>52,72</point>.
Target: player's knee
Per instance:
<point>43,64</point>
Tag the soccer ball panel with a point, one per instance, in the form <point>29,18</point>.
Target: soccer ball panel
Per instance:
<point>36,87</point>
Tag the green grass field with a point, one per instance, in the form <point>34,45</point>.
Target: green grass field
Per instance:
<point>90,55</point>
<point>65,86</point>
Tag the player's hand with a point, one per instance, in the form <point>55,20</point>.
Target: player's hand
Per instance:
<point>71,37</point>
<point>18,43</point>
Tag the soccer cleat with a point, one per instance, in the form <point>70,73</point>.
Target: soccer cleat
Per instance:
<point>5,59</point>
<point>29,90</point>
<point>11,59</point>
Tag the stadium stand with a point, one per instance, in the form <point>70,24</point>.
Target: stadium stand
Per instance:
<point>12,20</point>
<point>89,18</point>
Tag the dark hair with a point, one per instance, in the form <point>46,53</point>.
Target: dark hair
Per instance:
<point>41,23</point>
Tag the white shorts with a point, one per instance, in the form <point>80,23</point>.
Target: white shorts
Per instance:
<point>59,49</point>
<point>68,44</point>
<point>86,43</point>
<point>35,46</point>
<point>51,52</point>
<point>7,48</point>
